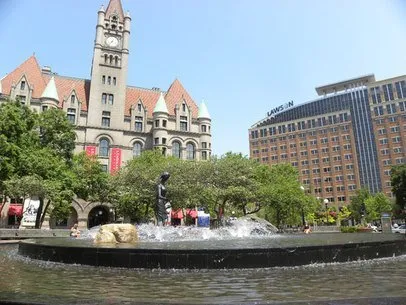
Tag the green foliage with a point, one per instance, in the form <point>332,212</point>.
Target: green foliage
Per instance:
<point>135,184</point>
<point>57,132</point>
<point>17,133</point>
<point>281,194</point>
<point>357,205</point>
<point>375,205</point>
<point>89,181</point>
<point>350,229</point>
<point>35,154</point>
<point>231,183</point>
<point>398,182</point>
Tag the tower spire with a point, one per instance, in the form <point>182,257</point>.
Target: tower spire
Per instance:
<point>115,8</point>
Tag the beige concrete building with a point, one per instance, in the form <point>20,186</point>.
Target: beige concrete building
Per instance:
<point>114,121</point>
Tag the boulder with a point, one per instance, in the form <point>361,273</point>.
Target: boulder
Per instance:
<point>117,233</point>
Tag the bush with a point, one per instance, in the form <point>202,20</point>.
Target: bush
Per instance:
<point>351,229</point>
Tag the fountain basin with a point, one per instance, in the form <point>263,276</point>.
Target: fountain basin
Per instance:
<point>278,250</point>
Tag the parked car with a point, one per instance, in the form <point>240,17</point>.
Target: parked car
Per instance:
<point>399,229</point>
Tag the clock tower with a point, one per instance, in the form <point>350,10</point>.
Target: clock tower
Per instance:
<point>109,68</point>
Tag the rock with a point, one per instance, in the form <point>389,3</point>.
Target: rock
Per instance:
<point>117,233</point>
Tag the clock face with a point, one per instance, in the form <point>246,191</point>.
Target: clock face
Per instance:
<point>112,41</point>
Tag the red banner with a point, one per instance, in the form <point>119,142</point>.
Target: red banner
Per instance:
<point>91,150</point>
<point>115,162</point>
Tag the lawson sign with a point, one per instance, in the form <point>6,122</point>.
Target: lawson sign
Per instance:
<point>280,108</point>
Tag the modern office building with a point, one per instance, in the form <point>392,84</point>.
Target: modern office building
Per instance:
<point>113,120</point>
<point>343,141</point>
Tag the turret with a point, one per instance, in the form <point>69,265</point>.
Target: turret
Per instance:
<point>49,97</point>
<point>160,126</point>
<point>101,15</point>
<point>205,131</point>
<point>126,32</point>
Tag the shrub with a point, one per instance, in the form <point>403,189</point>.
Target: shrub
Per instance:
<point>349,229</point>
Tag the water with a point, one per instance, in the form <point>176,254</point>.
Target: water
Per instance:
<point>245,227</point>
<point>26,280</point>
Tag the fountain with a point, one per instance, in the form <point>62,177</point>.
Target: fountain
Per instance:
<point>244,262</point>
<point>247,243</point>
<point>192,265</point>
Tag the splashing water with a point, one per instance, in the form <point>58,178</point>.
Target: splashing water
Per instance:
<point>244,227</point>
<point>237,229</point>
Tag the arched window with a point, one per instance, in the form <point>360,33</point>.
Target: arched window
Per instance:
<point>111,59</point>
<point>176,149</point>
<point>116,60</point>
<point>109,80</point>
<point>104,146</point>
<point>137,149</point>
<point>190,151</point>
<point>105,58</point>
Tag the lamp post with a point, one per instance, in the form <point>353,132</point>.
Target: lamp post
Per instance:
<point>325,204</point>
<point>303,216</point>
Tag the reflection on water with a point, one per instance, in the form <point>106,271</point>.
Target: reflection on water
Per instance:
<point>24,279</point>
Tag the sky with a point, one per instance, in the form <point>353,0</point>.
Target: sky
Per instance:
<point>242,57</point>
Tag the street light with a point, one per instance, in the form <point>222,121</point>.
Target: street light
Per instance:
<point>303,216</point>
<point>325,204</point>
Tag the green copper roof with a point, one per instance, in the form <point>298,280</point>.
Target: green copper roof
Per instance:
<point>161,105</point>
<point>203,112</point>
<point>50,90</point>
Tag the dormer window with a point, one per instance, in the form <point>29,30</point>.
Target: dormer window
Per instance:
<point>139,107</point>
<point>183,107</point>
<point>72,99</point>
<point>138,123</point>
<point>183,123</point>
<point>22,85</point>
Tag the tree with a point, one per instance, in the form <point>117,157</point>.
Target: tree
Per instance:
<point>57,132</point>
<point>281,193</point>
<point>135,185</point>
<point>90,182</point>
<point>398,181</point>
<point>36,150</point>
<point>234,183</point>
<point>343,214</point>
<point>17,133</point>
<point>375,205</point>
<point>357,205</point>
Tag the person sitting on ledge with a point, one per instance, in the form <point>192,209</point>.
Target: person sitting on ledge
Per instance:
<point>306,229</point>
<point>74,231</point>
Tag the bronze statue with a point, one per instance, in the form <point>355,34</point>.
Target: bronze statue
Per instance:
<point>161,200</point>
